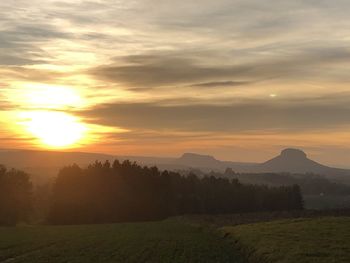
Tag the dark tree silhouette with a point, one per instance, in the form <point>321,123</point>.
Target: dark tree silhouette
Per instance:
<point>15,196</point>
<point>310,184</point>
<point>105,192</point>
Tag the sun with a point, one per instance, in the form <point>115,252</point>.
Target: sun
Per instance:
<point>54,129</point>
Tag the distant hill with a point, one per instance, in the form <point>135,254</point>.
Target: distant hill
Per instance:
<point>289,161</point>
<point>196,160</point>
<point>296,161</point>
<point>47,163</point>
<point>44,165</point>
<point>28,158</point>
<point>208,163</point>
<point>293,161</point>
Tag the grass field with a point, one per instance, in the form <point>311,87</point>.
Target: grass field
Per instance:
<point>139,242</point>
<point>218,221</point>
<point>313,240</point>
<point>324,240</point>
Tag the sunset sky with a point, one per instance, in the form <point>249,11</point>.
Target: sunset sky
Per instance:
<point>237,79</point>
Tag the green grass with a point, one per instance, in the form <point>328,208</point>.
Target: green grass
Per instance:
<point>140,242</point>
<point>324,240</point>
<point>286,241</point>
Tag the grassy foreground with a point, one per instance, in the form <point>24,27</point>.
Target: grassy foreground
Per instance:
<point>323,240</point>
<point>139,242</point>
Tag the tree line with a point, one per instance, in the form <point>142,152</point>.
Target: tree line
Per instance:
<point>119,192</point>
<point>15,196</point>
<point>310,184</point>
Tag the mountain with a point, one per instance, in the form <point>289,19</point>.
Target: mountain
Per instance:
<point>208,162</point>
<point>296,161</point>
<point>293,161</point>
<point>44,164</point>
<point>196,160</point>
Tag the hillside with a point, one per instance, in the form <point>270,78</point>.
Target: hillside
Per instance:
<point>321,240</point>
<point>47,163</point>
<point>296,161</point>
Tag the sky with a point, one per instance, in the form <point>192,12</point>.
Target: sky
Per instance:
<point>237,79</point>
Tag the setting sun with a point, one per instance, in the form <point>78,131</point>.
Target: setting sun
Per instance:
<point>54,129</point>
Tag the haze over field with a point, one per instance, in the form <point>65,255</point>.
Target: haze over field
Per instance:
<point>239,79</point>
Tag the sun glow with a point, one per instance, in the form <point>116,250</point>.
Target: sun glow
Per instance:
<point>51,97</point>
<point>43,96</point>
<point>54,129</point>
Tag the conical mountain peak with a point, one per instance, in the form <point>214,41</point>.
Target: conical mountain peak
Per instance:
<point>291,154</point>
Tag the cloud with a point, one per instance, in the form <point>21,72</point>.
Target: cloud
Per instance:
<point>20,43</point>
<point>157,70</point>
<point>228,83</point>
<point>154,71</point>
<point>188,67</point>
<point>243,117</point>
<point>11,60</point>
<point>5,105</point>
<point>32,75</point>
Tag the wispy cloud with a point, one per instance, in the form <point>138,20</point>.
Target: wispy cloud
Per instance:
<point>158,70</point>
<point>242,117</point>
<point>196,67</point>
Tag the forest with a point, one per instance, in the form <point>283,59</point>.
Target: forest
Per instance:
<point>15,196</point>
<point>126,192</point>
<point>120,192</point>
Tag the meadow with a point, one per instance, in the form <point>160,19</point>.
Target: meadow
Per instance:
<point>322,240</point>
<point>193,239</point>
<point>133,242</point>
